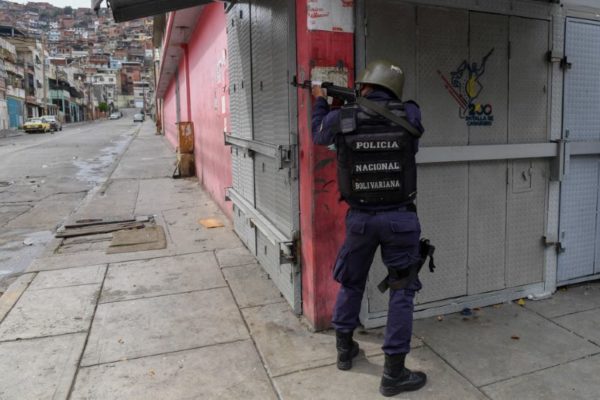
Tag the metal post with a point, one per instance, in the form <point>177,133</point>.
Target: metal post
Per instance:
<point>45,83</point>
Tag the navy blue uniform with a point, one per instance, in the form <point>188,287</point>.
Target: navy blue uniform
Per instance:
<point>395,228</point>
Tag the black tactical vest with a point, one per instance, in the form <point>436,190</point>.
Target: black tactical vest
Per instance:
<point>375,158</point>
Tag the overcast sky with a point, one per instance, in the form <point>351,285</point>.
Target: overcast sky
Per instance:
<point>64,3</point>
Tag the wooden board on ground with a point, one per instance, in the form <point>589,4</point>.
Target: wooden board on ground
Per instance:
<point>100,221</point>
<point>96,229</point>
<point>133,240</point>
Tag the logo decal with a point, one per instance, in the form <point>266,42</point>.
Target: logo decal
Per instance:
<point>465,87</point>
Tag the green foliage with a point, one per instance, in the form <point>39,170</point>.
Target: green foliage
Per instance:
<point>103,107</point>
<point>68,10</point>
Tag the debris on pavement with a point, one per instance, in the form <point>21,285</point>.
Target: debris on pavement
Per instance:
<point>515,337</point>
<point>440,318</point>
<point>93,230</point>
<point>466,312</point>
<point>133,240</point>
<point>94,226</point>
<point>521,302</point>
<point>211,223</point>
<point>28,242</point>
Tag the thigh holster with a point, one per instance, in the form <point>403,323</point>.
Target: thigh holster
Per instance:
<point>400,279</point>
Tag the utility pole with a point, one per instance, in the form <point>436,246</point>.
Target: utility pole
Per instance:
<point>45,82</point>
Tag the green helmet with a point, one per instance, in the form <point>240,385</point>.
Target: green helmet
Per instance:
<point>384,73</point>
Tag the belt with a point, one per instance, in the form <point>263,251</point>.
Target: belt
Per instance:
<point>409,207</point>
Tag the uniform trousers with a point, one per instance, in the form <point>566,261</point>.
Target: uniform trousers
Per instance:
<point>397,231</point>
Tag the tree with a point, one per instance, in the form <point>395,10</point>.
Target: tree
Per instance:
<point>103,107</point>
<point>68,10</point>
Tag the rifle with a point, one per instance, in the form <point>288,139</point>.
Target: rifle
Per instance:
<point>347,95</point>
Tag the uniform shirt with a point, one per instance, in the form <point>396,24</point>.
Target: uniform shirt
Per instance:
<point>326,125</point>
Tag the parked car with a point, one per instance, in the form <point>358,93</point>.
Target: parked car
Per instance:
<point>53,121</point>
<point>138,118</point>
<point>115,115</point>
<point>37,125</point>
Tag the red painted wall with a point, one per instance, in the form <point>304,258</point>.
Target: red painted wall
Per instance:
<point>322,215</point>
<point>205,61</point>
<point>210,102</point>
<point>170,115</point>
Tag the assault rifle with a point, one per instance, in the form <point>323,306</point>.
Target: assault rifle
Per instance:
<point>349,95</point>
<point>346,95</point>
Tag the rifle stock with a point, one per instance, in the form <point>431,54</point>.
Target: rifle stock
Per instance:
<point>347,95</point>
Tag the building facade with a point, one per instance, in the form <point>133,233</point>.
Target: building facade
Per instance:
<point>508,166</point>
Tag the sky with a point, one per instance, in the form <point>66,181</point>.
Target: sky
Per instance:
<point>63,3</point>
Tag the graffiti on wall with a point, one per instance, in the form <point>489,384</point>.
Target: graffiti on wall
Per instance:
<point>465,87</point>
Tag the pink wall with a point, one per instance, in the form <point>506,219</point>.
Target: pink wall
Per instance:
<point>321,212</point>
<point>170,115</point>
<point>205,60</point>
<point>210,102</point>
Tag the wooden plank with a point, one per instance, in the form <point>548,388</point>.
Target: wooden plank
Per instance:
<point>93,230</point>
<point>99,221</point>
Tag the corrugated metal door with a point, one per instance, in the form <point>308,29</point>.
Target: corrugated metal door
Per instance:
<point>15,112</point>
<point>486,215</point>
<point>240,92</point>
<point>579,193</point>
<point>263,111</point>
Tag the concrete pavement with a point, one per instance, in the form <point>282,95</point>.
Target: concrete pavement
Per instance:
<point>201,320</point>
<point>45,177</point>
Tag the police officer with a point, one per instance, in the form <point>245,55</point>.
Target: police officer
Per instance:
<point>377,178</point>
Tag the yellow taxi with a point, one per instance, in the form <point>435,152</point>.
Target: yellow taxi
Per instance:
<point>37,125</point>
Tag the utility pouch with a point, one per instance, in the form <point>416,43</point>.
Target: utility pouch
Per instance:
<point>401,279</point>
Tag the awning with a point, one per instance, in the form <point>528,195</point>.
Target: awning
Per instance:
<point>179,30</point>
<point>125,10</point>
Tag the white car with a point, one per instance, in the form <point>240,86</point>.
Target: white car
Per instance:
<point>53,121</point>
<point>138,118</point>
<point>115,115</point>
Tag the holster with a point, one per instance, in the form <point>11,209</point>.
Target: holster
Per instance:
<point>400,279</point>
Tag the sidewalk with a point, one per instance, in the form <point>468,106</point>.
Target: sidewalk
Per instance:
<point>200,319</point>
<point>7,133</point>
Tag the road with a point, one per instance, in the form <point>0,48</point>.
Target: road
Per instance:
<point>44,178</point>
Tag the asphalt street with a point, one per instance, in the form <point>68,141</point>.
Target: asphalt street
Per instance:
<point>44,178</point>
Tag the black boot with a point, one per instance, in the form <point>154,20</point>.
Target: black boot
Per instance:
<point>347,349</point>
<point>397,378</point>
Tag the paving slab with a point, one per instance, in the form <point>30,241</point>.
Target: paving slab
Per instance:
<point>585,323</point>
<point>50,312</point>
<point>500,342</point>
<point>68,277</point>
<point>576,380</point>
<point>251,286</point>
<point>82,259</point>
<point>227,371</point>
<point>157,325</point>
<point>568,300</point>
<point>13,293</point>
<point>118,197</point>
<point>148,148</point>
<point>235,257</point>
<point>187,233</point>
<point>287,345</point>
<point>39,369</point>
<point>166,193</point>
<point>362,381</point>
<point>160,276</point>
<point>140,168</point>
<point>49,212</point>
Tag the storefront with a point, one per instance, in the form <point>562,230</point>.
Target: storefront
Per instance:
<point>508,192</point>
